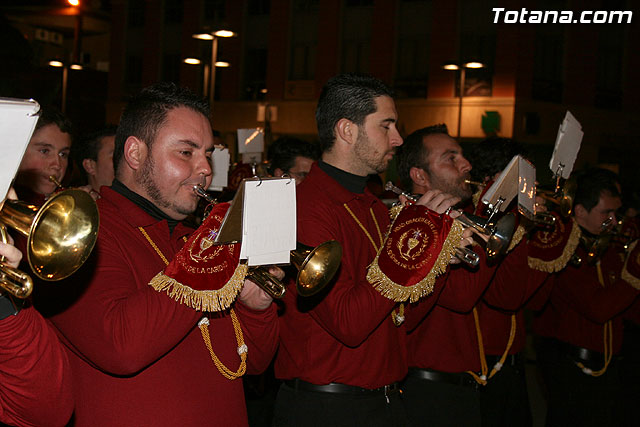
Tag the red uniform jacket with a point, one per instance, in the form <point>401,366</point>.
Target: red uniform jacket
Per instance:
<point>35,380</point>
<point>346,335</point>
<point>579,305</point>
<point>137,356</point>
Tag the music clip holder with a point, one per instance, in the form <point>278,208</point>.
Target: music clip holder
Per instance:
<point>262,216</point>
<point>517,179</point>
<point>566,148</point>
<point>18,118</point>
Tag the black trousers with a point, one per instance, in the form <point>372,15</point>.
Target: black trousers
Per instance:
<point>575,398</point>
<point>504,400</point>
<point>301,408</point>
<point>432,403</point>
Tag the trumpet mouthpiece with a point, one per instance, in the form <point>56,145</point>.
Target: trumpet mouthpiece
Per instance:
<point>202,193</point>
<point>476,183</point>
<point>55,181</point>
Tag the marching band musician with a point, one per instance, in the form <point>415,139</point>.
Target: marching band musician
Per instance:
<point>35,381</point>
<point>504,398</point>
<point>447,362</point>
<point>581,324</point>
<point>47,155</point>
<point>137,356</point>
<point>341,355</point>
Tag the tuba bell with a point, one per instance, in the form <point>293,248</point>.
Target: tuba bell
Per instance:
<point>60,236</point>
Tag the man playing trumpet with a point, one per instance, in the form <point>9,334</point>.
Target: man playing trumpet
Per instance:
<point>341,353</point>
<point>138,357</point>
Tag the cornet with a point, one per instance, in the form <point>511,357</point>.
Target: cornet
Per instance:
<point>498,235</point>
<point>60,237</point>
<point>316,266</point>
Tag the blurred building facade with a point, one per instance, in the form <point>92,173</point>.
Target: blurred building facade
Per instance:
<point>286,50</point>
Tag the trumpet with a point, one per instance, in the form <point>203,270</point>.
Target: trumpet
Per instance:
<point>316,266</point>
<point>498,235</point>
<point>561,196</point>
<point>60,237</point>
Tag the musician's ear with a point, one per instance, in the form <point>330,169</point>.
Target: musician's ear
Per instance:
<point>347,130</point>
<point>135,152</point>
<point>89,165</point>
<point>580,211</point>
<point>419,176</point>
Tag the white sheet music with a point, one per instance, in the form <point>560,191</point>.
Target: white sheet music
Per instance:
<point>17,121</point>
<point>220,164</point>
<point>268,221</point>
<point>567,146</point>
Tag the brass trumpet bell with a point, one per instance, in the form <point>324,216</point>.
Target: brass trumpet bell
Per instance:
<point>316,267</point>
<point>60,234</point>
<point>499,234</point>
<point>562,198</point>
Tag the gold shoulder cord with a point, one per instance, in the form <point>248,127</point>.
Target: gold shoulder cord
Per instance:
<point>398,317</point>
<point>483,378</point>
<point>203,325</point>
<point>608,339</point>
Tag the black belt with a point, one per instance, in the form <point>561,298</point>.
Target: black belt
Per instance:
<point>583,354</point>
<point>511,360</point>
<point>455,378</point>
<point>336,388</point>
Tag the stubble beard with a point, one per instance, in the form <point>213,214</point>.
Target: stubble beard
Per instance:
<point>147,181</point>
<point>456,187</point>
<point>369,157</point>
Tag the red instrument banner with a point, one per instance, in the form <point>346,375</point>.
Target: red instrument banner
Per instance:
<point>417,249</point>
<point>551,250</point>
<point>203,275</point>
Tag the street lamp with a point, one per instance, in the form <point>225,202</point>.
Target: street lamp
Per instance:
<point>210,71</point>
<point>65,75</point>
<point>453,66</point>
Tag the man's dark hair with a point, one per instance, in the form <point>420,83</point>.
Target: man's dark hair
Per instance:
<point>492,155</point>
<point>51,115</point>
<point>346,96</point>
<point>147,111</point>
<point>89,145</point>
<point>413,153</point>
<point>591,183</point>
<point>283,152</point>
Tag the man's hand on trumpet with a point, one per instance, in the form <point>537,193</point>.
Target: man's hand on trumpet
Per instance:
<point>254,297</point>
<point>435,200</point>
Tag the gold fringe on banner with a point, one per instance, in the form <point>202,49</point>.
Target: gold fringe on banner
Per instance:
<point>560,262</point>
<point>208,300</point>
<point>400,293</point>
<point>517,237</point>
<point>625,275</point>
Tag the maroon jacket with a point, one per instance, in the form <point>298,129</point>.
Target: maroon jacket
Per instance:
<point>137,356</point>
<point>35,380</point>
<point>579,306</point>
<point>347,335</point>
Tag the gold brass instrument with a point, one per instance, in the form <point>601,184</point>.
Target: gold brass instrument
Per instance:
<point>595,245</point>
<point>12,280</point>
<point>316,266</point>
<point>544,219</point>
<point>561,196</point>
<point>60,234</point>
<point>498,234</point>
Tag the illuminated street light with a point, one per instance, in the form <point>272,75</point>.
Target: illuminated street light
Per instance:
<point>65,76</point>
<point>210,71</point>
<point>453,66</point>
